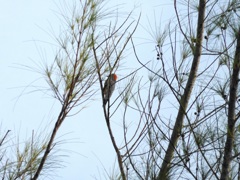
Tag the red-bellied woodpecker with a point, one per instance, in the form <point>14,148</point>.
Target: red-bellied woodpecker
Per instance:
<point>109,87</point>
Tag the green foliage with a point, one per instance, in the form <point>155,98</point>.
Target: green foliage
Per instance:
<point>21,160</point>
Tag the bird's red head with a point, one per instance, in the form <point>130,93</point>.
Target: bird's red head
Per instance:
<point>114,77</point>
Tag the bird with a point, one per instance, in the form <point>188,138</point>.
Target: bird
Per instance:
<point>109,87</point>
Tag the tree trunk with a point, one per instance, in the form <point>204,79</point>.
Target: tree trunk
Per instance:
<point>163,174</point>
<point>231,112</point>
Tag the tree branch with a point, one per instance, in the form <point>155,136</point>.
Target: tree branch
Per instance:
<point>186,96</point>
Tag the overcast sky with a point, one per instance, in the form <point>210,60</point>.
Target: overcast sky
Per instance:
<point>26,26</point>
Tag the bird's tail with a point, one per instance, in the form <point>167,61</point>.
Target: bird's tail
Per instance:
<point>104,101</point>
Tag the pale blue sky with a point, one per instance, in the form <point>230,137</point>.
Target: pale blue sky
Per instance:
<point>25,40</point>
